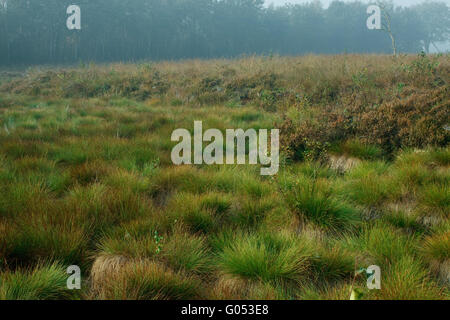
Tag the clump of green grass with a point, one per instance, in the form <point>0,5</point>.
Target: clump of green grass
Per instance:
<point>44,282</point>
<point>142,238</point>
<point>312,170</point>
<point>22,197</point>
<point>75,154</point>
<point>20,149</point>
<point>427,157</point>
<point>50,234</point>
<point>89,172</point>
<point>434,199</point>
<point>186,252</point>
<point>52,243</point>
<point>368,185</point>
<point>129,246</point>
<point>248,212</point>
<point>357,149</point>
<point>408,221</point>
<point>34,164</point>
<point>103,207</point>
<point>125,179</point>
<point>411,176</point>
<point>181,178</point>
<point>437,246</point>
<point>435,251</point>
<point>281,259</point>
<point>381,244</point>
<point>220,203</point>
<point>406,279</point>
<point>314,201</point>
<point>279,218</point>
<point>332,263</point>
<point>5,230</point>
<point>246,116</point>
<point>415,169</point>
<point>187,208</point>
<point>240,179</point>
<point>440,156</point>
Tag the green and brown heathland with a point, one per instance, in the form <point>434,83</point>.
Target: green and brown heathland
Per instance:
<point>86,179</point>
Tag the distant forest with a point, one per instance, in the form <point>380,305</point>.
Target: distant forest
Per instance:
<point>35,32</point>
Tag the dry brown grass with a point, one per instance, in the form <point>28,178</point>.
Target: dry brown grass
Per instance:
<point>343,164</point>
<point>105,267</point>
<point>119,278</point>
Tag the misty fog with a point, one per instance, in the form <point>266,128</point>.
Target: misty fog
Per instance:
<point>51,31</point>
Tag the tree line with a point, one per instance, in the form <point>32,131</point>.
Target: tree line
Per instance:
<point>35,32</point>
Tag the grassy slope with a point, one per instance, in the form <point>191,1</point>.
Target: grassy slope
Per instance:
<point>86,179</point>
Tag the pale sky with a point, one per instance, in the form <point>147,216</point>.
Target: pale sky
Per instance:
<point>327,2</point>
<point>445,46</point>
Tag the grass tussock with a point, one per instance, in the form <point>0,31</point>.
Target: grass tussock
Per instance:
<point>44,282</point>
<point>315,202</point>
<point>281,260</point>
<point>144,280</point>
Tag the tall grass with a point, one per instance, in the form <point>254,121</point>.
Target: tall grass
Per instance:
<point>277,259</point>
<point>146,280</point>
<point>316,203</point>
<point>44,282</point>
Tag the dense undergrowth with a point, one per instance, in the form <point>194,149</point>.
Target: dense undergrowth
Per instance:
<point>86,179</point>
